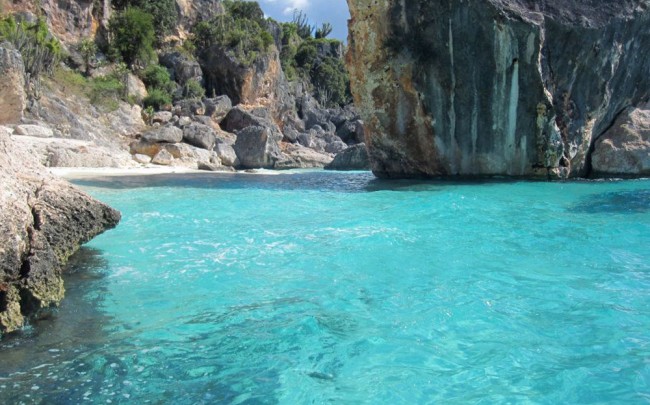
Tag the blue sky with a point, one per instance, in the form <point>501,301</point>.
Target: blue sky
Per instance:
<point>319,11</point>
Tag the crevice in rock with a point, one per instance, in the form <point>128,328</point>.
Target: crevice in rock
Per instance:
<point>3,298</point>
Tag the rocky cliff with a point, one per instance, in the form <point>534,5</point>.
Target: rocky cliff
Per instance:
<point>495,87</point>
<point>44,221</point>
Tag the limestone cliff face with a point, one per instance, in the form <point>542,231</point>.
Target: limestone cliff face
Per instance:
<point>43,221</point>
<point>495,87</point>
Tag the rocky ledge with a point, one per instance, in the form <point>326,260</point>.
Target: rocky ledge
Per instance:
<point>44,220</point>
<point>502,87</point>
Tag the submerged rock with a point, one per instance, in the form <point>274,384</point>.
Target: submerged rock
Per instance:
<point>495,87</point>
<point>44,221</point>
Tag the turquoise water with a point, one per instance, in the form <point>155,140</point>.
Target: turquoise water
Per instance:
<point>321,288</point>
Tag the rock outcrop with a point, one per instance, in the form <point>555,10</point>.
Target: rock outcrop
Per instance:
<point>624,150</point>
<point>495,87</point>
<point>13,99</point>
<point>44,221</point>
<point>353,158</point>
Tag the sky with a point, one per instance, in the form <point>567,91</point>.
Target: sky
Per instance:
<point>334,12</point>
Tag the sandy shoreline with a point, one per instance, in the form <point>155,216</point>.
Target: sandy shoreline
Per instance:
<point>93,172</point>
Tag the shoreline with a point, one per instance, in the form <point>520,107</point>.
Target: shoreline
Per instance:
<point>78,173</point>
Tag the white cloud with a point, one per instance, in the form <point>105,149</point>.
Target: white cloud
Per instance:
<point>290,5</point>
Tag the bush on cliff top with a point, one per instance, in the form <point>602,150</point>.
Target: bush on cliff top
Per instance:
<point>240,32</point>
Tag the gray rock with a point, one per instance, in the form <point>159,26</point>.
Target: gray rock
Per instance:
<point>210,167</point>
<point>335,147</point>
<point>184,121</point>
<point>625,148</point>
<point>227,154</point>
<point>163,134</point>
<point>13,99</point>
<point>189,108</point>
<point>256,148</point>
<point>144,159</point>
<point>299,157</point>
<point>162,117</point>
<point>37,131</point>
<point>163,158</point>
<point>217,108</point>
<point>239,118</point>
<point>44,221</point>
<point>190,156</point>
<point>199,135</point>
<point>351,132</point>
<point>181,68</point>
<point>353,158</point>
<point>525,88</point>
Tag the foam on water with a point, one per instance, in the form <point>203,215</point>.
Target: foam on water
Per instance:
<point>338,288</point>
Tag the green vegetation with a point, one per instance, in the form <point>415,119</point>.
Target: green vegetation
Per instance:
<point>104,91</point>
<point>240,32</point>
<point>163,12</point>
<point>39,49</point>
<point>193,89</point>
<point>157,99</point>
<point>132,37</point>
<point>88,50</point>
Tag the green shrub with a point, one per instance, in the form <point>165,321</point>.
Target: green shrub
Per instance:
<point>163,12</point>
<point>193,89</point>
<point>330,79</point>
<point>156,76</point>
<point>132,36</point>
<point>157,98</point>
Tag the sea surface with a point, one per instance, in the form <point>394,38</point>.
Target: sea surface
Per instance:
<point>330,288</point>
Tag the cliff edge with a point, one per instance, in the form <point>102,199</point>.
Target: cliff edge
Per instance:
<point>499,87</point>
<point>44,220</point>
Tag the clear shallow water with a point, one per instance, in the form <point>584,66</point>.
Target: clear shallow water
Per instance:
<point>338,288</point>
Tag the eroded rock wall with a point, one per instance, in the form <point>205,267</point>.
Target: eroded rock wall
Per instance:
<point>497,87</point>
<point>43,221</point>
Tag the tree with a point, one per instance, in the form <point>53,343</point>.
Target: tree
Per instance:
<point>88,50</point>
<point>324,31</point>
<point>132,36</point>
<point>303,27</point>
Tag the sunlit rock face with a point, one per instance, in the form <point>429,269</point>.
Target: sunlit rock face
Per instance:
<point>494,87</point>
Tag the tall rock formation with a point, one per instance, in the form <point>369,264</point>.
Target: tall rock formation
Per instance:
<point>494,87</point>
<point>43,221</point>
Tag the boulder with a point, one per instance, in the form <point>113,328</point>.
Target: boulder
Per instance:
<point>199,135</point>
<point>256,148</point>
<point>135,87</point>
<point>163,158</point>
<point>184,121</point>
<point>37,131</point>
<point>147,148</point>
<point>13,99</point>
<point>353,158</point>
<point>64,154</point>
<point>227,154</point>
<point>143,159</point>
<point>187,108</point>
<point>335,147</point>
<point>624,149</point>
<point>163,134</point>
<point>190,156</point>
<point>298,157</point>
<point>44,221</point>
<point>239,118</point>
<point>217,108</point>
<point>512,88</point>
<point>162,117</point>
